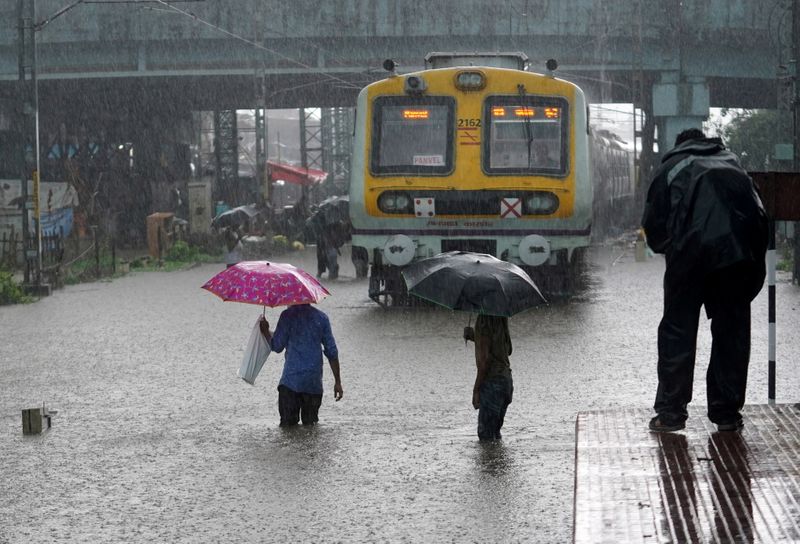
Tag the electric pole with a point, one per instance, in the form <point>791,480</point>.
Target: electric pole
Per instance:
<point>28,129</point>
<point>796,127</point>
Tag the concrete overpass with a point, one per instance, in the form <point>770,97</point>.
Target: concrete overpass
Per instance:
<point>139,68</point>
<point>210,53</point>
<point>179,55</point>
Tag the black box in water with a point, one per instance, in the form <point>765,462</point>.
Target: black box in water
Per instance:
<point>35,420</point>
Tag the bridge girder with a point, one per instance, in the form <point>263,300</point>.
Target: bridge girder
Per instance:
<point>319,54</point>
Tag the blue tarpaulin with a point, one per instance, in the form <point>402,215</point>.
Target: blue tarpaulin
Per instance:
<point>57,219</point>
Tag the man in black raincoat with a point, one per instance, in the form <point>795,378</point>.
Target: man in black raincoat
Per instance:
<point>704,213</point>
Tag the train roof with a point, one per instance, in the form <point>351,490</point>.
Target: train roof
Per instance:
<point>610,139</point>
<point>515,60</point>
<point>521,73</point>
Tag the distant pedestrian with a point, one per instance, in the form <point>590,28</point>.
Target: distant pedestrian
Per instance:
<point>305,333</point>
<point>330,238</point>
<point>233,246</point>
<point>322,255</point>
<point>318,229</point>
<point>704,213</point>
<point>333,241</point>
<point>494,388</point>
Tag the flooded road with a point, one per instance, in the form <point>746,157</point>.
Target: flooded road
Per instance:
<point>157,440</point>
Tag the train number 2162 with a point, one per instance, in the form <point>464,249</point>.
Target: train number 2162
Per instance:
<point>471,123</point>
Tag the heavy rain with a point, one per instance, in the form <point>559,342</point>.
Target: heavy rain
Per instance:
<point>183,180</point>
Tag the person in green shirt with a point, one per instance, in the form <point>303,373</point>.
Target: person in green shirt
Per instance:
<point>494,387</point>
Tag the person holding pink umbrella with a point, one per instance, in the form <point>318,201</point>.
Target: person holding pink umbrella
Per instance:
<point>305,333</point>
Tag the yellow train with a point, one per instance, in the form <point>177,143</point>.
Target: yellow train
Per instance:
<point>474,154</point>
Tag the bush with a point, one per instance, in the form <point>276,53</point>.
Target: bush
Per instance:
<point>181,251</point>
<point>280,242</point>
<point>10,292</point>
<point>207,243</point>
<point>298,246</point>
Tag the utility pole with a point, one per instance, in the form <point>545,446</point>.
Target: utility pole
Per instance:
<point>226,152</point>
<point>796,127</point>
<point>262,146</point>
<point>28,130</point>
<point>28,127</point>
<point>311,147</point>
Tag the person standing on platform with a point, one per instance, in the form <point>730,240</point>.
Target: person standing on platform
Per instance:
<point>704,214</point>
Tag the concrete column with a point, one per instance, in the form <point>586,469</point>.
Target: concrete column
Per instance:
<point>678,103</point>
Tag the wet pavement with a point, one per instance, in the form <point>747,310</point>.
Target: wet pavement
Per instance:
<point>157,440</point>
<point>694,486</point>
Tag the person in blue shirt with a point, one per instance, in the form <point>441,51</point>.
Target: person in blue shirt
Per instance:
<point>305,333</point>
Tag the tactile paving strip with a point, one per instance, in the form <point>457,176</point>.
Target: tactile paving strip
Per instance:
<point>695,485</point>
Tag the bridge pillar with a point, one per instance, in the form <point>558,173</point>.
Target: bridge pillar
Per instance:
<point>678,103</point>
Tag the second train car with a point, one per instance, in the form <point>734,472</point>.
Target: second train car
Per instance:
<point>475,153</point>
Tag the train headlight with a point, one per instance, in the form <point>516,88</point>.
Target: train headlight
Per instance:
<point>414,85</point>
<point>402,202</point>
<point>541,203</point>
<point>394,202</point>
<point>387,202</point>
<point>470,81</point>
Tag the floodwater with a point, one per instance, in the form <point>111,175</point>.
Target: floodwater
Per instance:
<point>157,440</point>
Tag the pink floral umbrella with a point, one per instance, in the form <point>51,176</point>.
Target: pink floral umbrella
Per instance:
<point>266,284</point>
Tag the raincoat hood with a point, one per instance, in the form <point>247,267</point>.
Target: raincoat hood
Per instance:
<point>704,146</point>
<point>704,213</point>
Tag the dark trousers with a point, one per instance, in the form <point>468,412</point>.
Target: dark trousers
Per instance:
<point>727,304</point>
<point>332,255</point>
<point>496,394</point>
<point>294,406</point>
<point>327,259</point>
<point>322,258</point>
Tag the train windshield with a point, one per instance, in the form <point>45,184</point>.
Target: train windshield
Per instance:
<point>526,134</point>
<point>412,135</point>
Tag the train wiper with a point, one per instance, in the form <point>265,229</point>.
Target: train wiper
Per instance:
<point>527,122</point>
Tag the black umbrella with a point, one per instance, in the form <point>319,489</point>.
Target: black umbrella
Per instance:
<point>334,209</point>
<point>473,282</point>
<point>234,217</point>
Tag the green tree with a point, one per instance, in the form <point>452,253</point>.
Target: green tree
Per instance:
<point>752,134</point>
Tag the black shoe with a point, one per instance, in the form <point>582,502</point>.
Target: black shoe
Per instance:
<point>659,426</point>
<point>737,425</point>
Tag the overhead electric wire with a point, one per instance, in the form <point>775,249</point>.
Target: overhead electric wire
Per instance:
<point>254,44</point>
<point>605,108</point>
<point>173,9</point>
<point>44,22</point>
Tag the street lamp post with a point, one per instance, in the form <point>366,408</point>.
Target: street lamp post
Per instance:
<point>28,126</point>
<point>28,123</point>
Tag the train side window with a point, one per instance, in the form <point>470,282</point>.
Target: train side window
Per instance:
<point>588,127</point>
<point>412,135</point>
<point>526,135</point>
